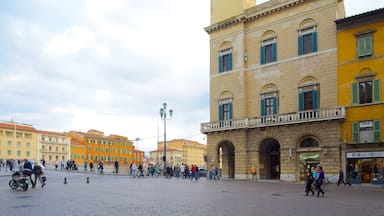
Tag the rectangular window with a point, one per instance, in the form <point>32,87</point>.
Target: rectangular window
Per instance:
<point>366,92</point>
<point>8,134</point>
<point>307,41</point>
<point>268,51</point>
<point>28,154</point>
<point>18,135</point>
<point>225,60</point>
<point>27,136</point>
<point>225,110</point>
<point>9,152</point>
<point>366,132</point>
<point>19,153</point>
<point>365,46</point>
<point>309,98</point>
<point>18,144</point>
<point>9,143</point>
<point>28,145</point>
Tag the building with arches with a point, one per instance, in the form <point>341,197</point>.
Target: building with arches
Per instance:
<point>273,88</point>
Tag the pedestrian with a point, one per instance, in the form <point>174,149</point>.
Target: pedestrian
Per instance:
<point>133,170</point>
<point>141,170</point>
<point>308,183</point>
<point>85,166</point>
<point>193,172</point>
<point>253,171</point>
<point>62,164</point>
<point>319,180</point>
<point>100,167</point>
<point>91,166</point>
<point>38,174</point>
<point>341,178</point>
<point>116,167</point>
<point>56,164</point>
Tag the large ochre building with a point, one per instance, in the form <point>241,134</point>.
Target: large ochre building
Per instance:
<point>54,147</point>
<point>18,141</point>
<point>180,151</point>
<point>360,40</point>
<point>273,88</point>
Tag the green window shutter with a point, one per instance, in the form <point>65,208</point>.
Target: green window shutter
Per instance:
<point>360,47</point>
<point>274,52</point>
<point>355,93</point>
<point>262,55</point>
<point>221,116</point>
<point>221,64</point>
<point>230,111</point>
<point>263,111</point>
<point>275,105</point>
<point>230,61</point>
<point>376,91</point>
<point>315,99</point>
<point>301,101</point>
<point>377,131</point>
<point>300,45</point>
<point>355,132</point>
<point>314,42</point>
<point>368,46</point>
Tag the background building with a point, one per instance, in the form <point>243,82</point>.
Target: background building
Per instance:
<point>182,151</point>
<point>360,40</point>
<point>18,141</point>
<point>53,146</point>
<point>273,78</point>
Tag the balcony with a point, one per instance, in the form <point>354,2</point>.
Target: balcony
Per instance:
<point>306,116</point>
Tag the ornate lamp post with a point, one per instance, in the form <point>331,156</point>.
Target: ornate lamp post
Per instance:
<point>163,115</point>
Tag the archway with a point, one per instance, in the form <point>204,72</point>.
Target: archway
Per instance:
<point>226,155</point>
<point>269,167</point>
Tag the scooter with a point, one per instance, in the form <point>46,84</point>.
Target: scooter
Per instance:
<point>20,179</point>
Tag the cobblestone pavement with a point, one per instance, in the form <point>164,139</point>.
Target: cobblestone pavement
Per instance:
<point>123,195</point>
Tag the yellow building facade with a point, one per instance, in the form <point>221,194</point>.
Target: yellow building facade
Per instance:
<point>360,41</point>
<point>18,141</point>
<point>190,152</point>
<point>99,147</point>
<point>273,84</point>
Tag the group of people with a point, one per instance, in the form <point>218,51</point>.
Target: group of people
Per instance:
<point>315,176</point>
<point>37,170</point>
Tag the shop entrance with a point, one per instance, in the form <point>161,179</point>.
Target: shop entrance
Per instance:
<point>366,171</point>
<point>307,160</point>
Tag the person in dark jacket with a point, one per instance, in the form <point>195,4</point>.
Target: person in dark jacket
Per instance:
<point>38,173</point>
<point>319,180</point>
<point>308,184</point>
<point>341,178</point>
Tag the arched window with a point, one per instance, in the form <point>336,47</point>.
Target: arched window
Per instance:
<point>309,143</point>
<point>307,38</point>
<point>268,48</point>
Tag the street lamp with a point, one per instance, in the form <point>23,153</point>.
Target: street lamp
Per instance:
<point>163,115</point>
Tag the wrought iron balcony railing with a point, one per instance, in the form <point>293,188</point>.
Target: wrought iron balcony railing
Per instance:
<point>323,114</point>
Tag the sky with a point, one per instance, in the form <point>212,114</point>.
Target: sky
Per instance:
<point>110,65</point>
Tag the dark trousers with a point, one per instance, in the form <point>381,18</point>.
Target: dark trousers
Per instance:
<point>309,188</point>
<point>319,189</point>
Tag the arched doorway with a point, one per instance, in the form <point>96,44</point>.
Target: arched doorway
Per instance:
<point>269,167</point>
<point>226,155</point>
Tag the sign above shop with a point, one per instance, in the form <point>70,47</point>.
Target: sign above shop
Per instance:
<point>376,154</point>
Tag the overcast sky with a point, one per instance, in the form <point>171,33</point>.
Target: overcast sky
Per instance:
<point>110,65</point>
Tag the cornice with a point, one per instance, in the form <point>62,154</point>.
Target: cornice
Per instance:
<point>254,13</point>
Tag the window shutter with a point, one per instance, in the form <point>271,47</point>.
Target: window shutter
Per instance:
<point>230,61</point>
<point>221,64</point>
<point>355,93</point>
<point>368,46</point>
<point>230,111</point>
<point>360,47</point>
<point>221,114</point>
<point>315,99</point>
<point>314,42</point>
<point>355,132</point>
<point>300,45</point>
<point>376,91</point>
<point>275,105</point>
<point>274,52</point>
<point>301,101</point>
<point>377,130</point>
<point>263,111</point>
<point>262,55</point>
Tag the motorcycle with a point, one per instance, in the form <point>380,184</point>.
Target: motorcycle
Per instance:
<point>20,179</point>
